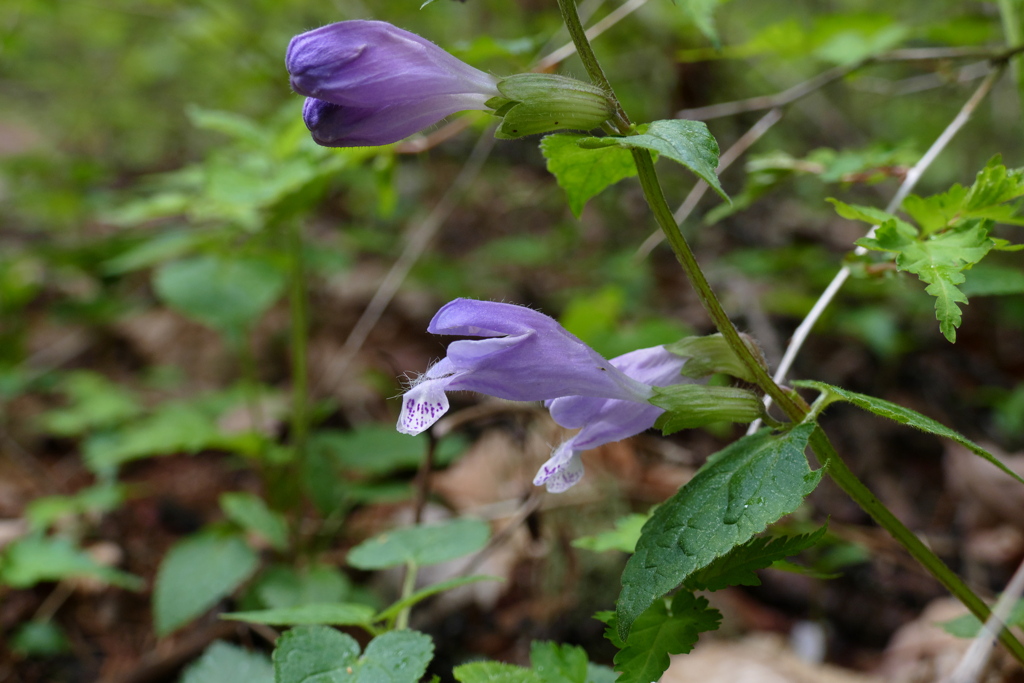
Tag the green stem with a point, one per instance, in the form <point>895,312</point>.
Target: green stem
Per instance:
<point>1013,28</point>
<point>408,586</point>
<point>571,18</point>
<point>663,214</point>
<point>819,442</point>
<point>854,488</point>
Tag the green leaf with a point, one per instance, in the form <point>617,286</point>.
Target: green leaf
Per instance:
<point>153,250</point>
<point>736,494</point>
<point>319,654</point>
<point>42,513</point>
<point>968,626</point>
<point>339,614</point>
<point>989,280</point>
<point>494,672</point>
<point>939,261</point>
<point>660,632</point>
<point>432,589</point>
<point>623,537</point>
<point>38,639</point>
<point>226,663</point>
<point>227,294</point>
<point>598,673</point>
<point>737,567</point>
<point>906,416</point>
<point>285,586</point>
<point>556,663</point>
<point>252,514</point>
<point>689,143</point>
<point>34,559</point>
<point>870,215</point>
<point>584,173</point>
<point>195,574</point>
<point>174,427</point>
<point>94,403</point>
<point>376,449</point>
<point>421,545</point>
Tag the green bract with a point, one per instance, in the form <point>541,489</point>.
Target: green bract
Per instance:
<point>541,103</point>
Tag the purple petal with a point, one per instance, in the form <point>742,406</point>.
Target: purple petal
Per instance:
<point>607,420</point>
<point>334,125</point>
<point>425,402</point>
<point>563,470</point>
<point>529,358</point>
<point>377,75</point>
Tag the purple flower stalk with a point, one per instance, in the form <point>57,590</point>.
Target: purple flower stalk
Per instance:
<point>524,355</point>
<point>370,83</point>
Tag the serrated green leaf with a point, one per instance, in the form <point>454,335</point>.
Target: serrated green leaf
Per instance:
<point>584,173</point>
<point>986,199</point>
<point>339,614</point>
<point>34,559</point>
<point>623,537</point>
<point>906,416</point>
<point>226,663</point>
<point>195,574</point>
<point>319,654</point>
<point>870,215</point>
<point>227,294</point>
<point>251,513</point>
<point>937,212</point>
<point>938,261</point>
<point>421,545</point>
<point>736,494</point>
<point>556,663</point>
<point>993,187</point>
<point>660,632</point>
<point>611,631</point>
<point>737,567</point>
<point>686,142</point>
<point>494,672</point>
<point>432,589</point>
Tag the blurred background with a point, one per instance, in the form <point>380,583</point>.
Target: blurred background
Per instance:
<point>174,250</point>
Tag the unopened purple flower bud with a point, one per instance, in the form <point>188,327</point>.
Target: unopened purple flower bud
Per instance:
<point>370,83</point>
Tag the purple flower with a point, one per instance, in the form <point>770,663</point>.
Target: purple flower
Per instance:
<point>604,420</point>
<point>370,83</point>
<point>523,356</point>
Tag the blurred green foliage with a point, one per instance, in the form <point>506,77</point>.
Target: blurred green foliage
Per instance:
<point>153,159</point>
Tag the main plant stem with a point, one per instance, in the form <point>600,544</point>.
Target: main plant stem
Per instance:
<point>820,444</point>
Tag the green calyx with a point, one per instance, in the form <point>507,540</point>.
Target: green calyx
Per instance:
<point>540,103</point>
<point>712,354</point>
<point>694,405</point>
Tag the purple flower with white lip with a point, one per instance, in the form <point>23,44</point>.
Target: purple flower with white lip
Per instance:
<point>523,356</point>
<point>370,83</point>
<point>604,420</point>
